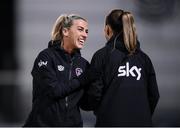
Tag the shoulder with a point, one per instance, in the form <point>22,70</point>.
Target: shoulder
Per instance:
<point>42,60</point>
<point>99,58</point>
<point>100,53</point>
<point>45,53</point>
<point>145,57</point>
<point>146,60</point>
<point>44,56</point>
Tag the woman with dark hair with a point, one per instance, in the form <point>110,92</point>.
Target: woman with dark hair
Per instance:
<point>126,93</point>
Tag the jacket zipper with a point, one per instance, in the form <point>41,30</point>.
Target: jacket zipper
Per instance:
<point>66,98</point>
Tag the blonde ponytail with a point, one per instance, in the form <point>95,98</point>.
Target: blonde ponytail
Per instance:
<point>129,32</point>
<point>56,33</point>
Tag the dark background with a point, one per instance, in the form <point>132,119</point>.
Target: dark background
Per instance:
<point>8,64</point>
<point>25,30</point>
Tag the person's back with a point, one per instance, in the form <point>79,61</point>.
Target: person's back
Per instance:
<point>124,100</point>
<point>128,93</point>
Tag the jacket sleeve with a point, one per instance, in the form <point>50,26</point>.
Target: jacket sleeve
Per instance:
<point>46,78</point>
<point>93,94</point>
<point>153,92</point>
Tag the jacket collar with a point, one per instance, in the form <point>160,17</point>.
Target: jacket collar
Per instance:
<point>116,42</point>
<point>57,46</point>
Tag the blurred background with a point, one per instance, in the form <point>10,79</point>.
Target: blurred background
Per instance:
<point>25,31</point>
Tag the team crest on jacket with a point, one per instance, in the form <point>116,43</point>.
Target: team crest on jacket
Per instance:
<point>79,71</point>
<point>60,68</point>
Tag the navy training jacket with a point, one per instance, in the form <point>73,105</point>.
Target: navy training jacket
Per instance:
<point>56,103</point>
<point>127,92</point>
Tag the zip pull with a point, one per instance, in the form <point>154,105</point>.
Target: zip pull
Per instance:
<point>66,99</point>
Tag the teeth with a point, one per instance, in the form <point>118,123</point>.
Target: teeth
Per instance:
<point>82,41</point>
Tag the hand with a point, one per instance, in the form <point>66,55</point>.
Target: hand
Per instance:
<point>88,76</point>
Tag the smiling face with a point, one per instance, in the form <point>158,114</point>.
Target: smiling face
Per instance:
<point>76,35</point>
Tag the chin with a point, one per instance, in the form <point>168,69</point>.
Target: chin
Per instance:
<point>80,46</point>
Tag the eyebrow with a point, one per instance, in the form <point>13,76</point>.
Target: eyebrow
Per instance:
<point>81,27</point>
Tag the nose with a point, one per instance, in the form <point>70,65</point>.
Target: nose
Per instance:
<point>85,34</point>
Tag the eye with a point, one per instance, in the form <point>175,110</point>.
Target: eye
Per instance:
<point>80,29</point>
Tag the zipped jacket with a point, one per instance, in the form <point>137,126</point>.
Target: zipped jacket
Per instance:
<point>55,102</point>
<point>127,92</point>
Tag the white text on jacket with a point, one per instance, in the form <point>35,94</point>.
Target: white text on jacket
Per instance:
<point>127,71</point>
<point>41,63</point>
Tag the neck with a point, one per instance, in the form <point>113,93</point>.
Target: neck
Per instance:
<point>67,47</point>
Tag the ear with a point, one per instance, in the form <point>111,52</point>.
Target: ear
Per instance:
<point>65,32</point>
<point>108,32</point>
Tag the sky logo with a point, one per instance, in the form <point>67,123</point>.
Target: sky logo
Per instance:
<point>127,71</point>
<point>41,63</point>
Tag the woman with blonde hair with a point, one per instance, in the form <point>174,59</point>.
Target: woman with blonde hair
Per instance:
<point>126,93</point>
<point>55,102</point>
